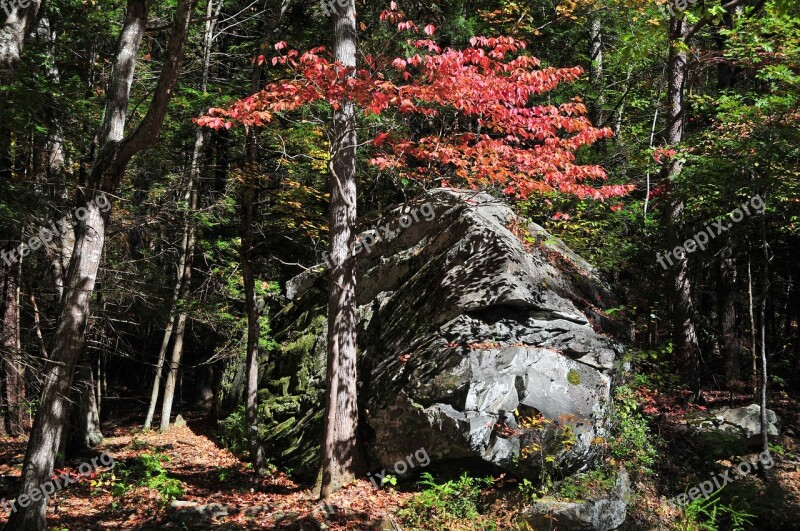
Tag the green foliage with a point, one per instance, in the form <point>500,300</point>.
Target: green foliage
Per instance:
<point>586,485</point>
<point>439,504</point>
<point>543,441</point>
<point>389,479</point>
<point>712,515</point>
<point>145,470</point>
<point>631,440</point>
<point>232,431</point>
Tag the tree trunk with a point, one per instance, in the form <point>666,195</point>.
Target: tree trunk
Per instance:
<point>85,432</point>
<point>53,175</point>
<point>753,346</point>
<point>249,195</point>
<point>251,407</point>
<point>187,252</point>
<point>12,363</point>
<point>162,352</point>
<point>115,153</point>
<point>18,24</point>
<point>596,70</point>
<point>729,342</point>
<point>764,374</point>
<point>683,332</point>
<point>186,275</point>
<point>341,457</point>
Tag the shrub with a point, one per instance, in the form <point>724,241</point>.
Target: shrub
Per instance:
<point>438,505</point>
<point>146,470</point>
<point>233,431</point>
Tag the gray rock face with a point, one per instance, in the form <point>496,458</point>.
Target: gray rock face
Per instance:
<point>468,319</point>
<point>744,422</point>
<point>603,514</point>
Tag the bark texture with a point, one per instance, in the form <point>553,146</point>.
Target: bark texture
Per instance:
<point>340,451</point>
<point>18,24</point>
<point>13,367</point>
<point>683,330</point>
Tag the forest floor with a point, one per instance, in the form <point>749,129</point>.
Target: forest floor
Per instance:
<point>217,484</point>
<point>210,476</point>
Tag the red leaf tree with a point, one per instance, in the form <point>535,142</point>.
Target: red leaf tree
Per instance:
<point>476,119</point>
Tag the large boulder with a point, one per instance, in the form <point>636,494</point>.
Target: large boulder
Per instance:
<point>741,424</point>
<point>470,319</point>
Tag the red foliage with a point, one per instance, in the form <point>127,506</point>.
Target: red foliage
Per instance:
<point>484,129</point>
<point>663,152</point>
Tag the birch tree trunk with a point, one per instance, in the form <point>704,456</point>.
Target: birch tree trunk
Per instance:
<point>115,152</point>
<point>341,456</point>
<point>763,346</point>
<point>162,352</point>
<point>596,71</point>
<point>753,345</point>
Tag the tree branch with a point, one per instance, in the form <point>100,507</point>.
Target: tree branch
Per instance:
<point>700,24</point>
<point>147,131</point>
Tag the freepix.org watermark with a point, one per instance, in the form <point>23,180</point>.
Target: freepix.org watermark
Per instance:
<point>45,490</point>
<point>400,467</point>
<point>329,7</point>
<point>377,234</point>
<point>701,239</point>
<point>679,5</point>
<point>46,235</point>
<point>717,481</point>
<point>9,5</point>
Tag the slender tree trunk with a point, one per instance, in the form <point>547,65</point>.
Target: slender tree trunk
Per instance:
<point>37,325</point>
<point>341,456</point>
<point>162,352</point>
<point>753,344</point>
<point>187,251</point>
<point>763,347</point>
<point>251,408</point>
<point>729,342</point>
<point>684,334</point>
<point>185,268</point>
<point>115,153</point>
<point>98,388</point>
<point>249,195</point>
<point>3,284</point>
<point>59,250</point>
<point>596,71</point>
<point>180,327</point>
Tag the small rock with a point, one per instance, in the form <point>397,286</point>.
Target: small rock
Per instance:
<point>387,523</point>
<point>256,510</point>
<point>282,516</point>
<point>180,421</point>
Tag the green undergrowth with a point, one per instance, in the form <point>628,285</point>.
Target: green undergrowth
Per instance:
<point>145,470</point>
<point>454,504</point>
